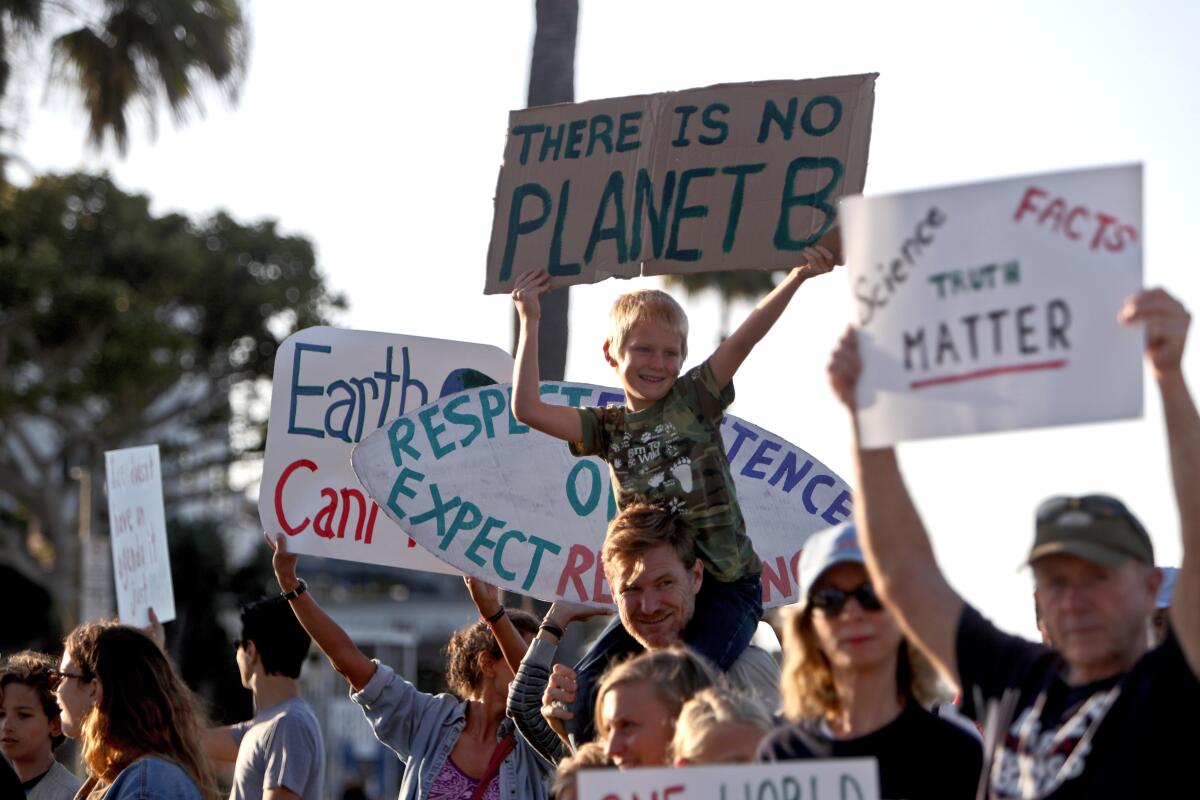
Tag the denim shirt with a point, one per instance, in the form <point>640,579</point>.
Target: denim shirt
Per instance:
<point>148,778</point>
<point>423,728</point>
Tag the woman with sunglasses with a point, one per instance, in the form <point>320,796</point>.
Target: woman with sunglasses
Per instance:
<point>854,688</point>
<point>138,722</point>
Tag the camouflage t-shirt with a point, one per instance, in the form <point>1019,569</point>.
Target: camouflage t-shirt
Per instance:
<point>671,454</point>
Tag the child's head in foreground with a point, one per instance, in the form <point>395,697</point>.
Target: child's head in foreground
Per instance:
<point>720,726</point>
<point>647,343</point>
<point>29,714</point>
<point>588,755</point>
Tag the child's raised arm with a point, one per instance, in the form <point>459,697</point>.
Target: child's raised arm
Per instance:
<point>733,351</point>
<point>527,406</point>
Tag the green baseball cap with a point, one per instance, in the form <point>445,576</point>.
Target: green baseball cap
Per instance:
<point>1095,527</point>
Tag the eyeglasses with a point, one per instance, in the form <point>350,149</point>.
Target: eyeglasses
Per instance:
<point>1098,505</point>
<point>832,600</point>
<point>56,677</point>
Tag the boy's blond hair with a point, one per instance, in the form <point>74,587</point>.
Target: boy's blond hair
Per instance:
<point>646,305</point>
<point>711,707</point>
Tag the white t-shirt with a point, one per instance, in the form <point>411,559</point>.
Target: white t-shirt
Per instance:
<point>757,672</point>
<point>280,748</point>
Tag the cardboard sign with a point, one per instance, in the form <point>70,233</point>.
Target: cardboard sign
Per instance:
<point>994,306</point>
<point>832,779</point>
<point>514,507</point>
<point>330,389</point>
<point>138,533</point>
<point>736,176</point>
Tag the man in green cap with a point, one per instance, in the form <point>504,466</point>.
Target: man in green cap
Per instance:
<point>1100,714</point>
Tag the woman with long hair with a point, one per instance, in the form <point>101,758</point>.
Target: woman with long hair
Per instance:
<point>139,724</point>
<point>454,746</point>
<point>854,687</point>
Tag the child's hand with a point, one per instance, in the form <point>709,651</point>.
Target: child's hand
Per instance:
<point>817,261</point>
<point>527,289</point>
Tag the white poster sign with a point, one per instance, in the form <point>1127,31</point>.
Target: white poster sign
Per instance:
<point>138,533</point>
<point>511,505</point>
<point>832,779</point>
<point>331,388</point>
<point>993,306</point>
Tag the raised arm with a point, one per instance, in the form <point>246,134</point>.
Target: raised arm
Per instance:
<point>531,695</point>
<point>338,647</point>
<point>1167,324</point>
<point>561,422</point>
<point>899,556</point>
<point>487,600</point>
<point>730,354</point>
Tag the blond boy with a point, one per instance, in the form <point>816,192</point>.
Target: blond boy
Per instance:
<point>664,445</point>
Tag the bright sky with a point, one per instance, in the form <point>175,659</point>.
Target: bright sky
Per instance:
<point>377,131</point>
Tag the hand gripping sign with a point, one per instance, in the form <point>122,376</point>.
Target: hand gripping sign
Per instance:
<point>331,388</point>
<point>511,505</point>
<point>993,306</point>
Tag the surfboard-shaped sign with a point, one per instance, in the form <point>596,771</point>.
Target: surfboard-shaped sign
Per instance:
<point>512,506</point>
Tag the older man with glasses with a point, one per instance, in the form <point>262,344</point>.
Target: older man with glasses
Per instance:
<point>1100,713</point>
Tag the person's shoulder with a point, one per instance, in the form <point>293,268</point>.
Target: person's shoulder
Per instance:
<point>787,742</point>
<point>62,778</point>
<point>295,716</point>
<point>758,658</point>
<point>150,778</point>
<point>926,726</point>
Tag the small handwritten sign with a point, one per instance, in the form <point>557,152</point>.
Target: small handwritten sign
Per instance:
<point>138,532</point>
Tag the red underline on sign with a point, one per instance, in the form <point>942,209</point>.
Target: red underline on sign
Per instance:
<point>988,373</point>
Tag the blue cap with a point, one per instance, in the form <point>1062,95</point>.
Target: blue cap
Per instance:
<point>823,550</point>
<point>1168,586</point>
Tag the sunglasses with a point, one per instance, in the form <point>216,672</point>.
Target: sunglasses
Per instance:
<point>56,677</point>
<point>832,600</point>
<point>1100,506</point>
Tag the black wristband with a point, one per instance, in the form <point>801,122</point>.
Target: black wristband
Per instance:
<point>294,593</point>
<point>494,618</point>
<point>550,627</point>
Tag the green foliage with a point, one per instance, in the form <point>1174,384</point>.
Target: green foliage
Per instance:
<point>104,307</point>
<point>746,284</point>
<point>119,327</point>
<point>731,285</point>
<point>150,51</point>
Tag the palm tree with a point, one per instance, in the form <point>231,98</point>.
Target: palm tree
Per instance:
<point>144,50</point>
<point>552,80</point>
<point>732,285</point>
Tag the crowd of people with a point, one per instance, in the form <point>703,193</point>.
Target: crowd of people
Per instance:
<point>881,657</point>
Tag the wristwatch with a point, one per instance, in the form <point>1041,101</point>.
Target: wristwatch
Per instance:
<point>294,593</point>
